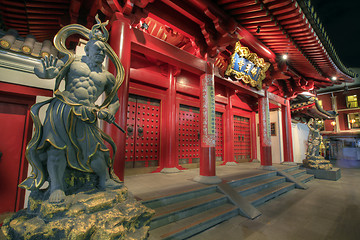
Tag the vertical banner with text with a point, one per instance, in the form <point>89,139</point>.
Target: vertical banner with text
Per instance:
<point>208,110</point>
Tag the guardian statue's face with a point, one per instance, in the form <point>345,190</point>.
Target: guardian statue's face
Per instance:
<point>96,52</point>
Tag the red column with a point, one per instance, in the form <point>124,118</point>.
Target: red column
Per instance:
<point>121,43</point>
<point>229,131</point>
<point>207,132</point>
<point>264,132</point>
<point>168,158</point>
<point>253,137</point>
<point>287,133</point>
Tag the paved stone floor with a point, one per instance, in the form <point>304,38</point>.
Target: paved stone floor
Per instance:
<point>153,185</point>
<point>328,210</point>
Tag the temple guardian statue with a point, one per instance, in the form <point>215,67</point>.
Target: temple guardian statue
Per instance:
<point>69,136</point>
<point>85,199</point>
<point>313,158</point>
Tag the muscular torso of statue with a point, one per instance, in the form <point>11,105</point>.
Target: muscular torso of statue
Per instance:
<point>84,84</point>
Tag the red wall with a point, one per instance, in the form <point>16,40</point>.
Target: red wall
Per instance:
<point>327,106</point>
<point>341,108</point>
<point>341,103</point>
<point>326,101</point>
<point>15,103</point>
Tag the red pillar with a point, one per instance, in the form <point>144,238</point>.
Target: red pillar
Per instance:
<point>253,137</point>
<point>168,158</point>
<point>287,133</point>
<point>207,132</point>
<point>229,131</point>
<point>120,42</point>
<point>264,132</point>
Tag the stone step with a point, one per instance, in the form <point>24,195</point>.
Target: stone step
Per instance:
<point>291,168</point>
<point>180,210</point>
<point>297,173</point>
<point>254,178</point>
<point>262,196</point>
<point>186,214</point>
<point>183,196</point>
<point>305,178</point>
<point>300,174</point>
<point>257,186</point>
<point>185,228</point>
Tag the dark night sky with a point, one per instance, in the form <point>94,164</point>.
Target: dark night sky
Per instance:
<point>341,19</point>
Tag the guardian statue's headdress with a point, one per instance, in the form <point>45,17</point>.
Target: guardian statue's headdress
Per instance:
<point>96,33</point>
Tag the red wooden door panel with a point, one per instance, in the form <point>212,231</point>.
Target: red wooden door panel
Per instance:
<point>130,132</point>
<point>143,134</point>
<point>147,134</point>
<point>219,136</point>
<point>12,125</point>
<point>189,134</point>
<point>242,147</point>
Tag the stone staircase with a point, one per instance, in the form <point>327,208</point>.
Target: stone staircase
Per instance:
<point>183,215</point>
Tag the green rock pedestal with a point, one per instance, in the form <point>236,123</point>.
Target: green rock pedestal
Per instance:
<point>110,214</point>
<point>321,168</point>
<point>333,174</point>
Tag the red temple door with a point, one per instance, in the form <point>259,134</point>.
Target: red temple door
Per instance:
<point>242,146</point>
<point>189,135</point>
<point>12,123</point>
<point>219,136</point>
<point>143,133</point>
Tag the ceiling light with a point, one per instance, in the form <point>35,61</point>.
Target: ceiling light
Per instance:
<point>334,78</point>
<point>307,94</point>
<point>285,56</point>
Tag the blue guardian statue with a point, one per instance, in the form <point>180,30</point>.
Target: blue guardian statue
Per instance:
<point>85,200</point>
<point>70,137</point>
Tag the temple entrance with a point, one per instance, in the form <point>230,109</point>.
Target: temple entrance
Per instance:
<point>143,132</point>
<point>242,144</point>
<point>189,135</point>
<point>12,122</point>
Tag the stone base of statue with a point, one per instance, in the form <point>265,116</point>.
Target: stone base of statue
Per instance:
<point>321,168</point>
<point>87,214</point>
<point>333,174</point>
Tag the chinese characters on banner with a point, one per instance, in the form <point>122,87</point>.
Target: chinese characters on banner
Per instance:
<point>208,111</point>
<point>247,67</point>
<point>211,109</point>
